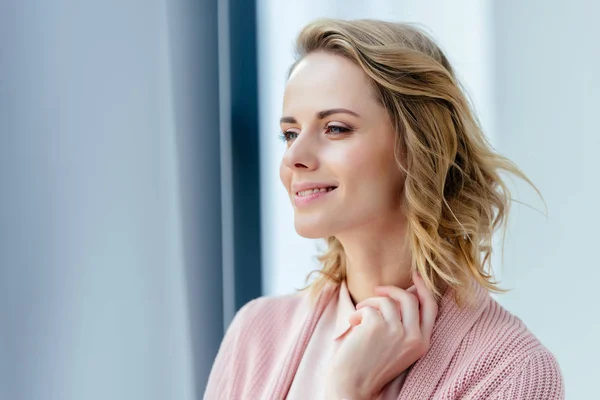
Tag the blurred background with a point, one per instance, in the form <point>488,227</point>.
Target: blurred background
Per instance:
<point>140,203</point>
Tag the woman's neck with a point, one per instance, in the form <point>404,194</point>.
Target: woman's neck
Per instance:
<point>375,259</point>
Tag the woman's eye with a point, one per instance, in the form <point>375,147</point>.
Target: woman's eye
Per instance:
<point>287,136</point>
<point>336,130</point>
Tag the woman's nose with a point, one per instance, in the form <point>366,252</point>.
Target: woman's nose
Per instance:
<point>302,153</point>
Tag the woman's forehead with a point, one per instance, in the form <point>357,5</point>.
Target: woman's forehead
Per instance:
<point>325,81</point>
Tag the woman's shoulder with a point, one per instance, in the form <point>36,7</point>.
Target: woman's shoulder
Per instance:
<point>501,343</point>
<point>273,305</point>
<point>499,328</point>
<point>486,352</point>
<point>271,313</point>
<point>484,325</point>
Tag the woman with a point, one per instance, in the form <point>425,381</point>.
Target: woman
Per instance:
<point>386,161</point>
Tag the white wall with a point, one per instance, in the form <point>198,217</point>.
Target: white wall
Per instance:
<point>547,63</point>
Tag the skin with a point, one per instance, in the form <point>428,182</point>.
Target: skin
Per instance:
<point>355,152</point>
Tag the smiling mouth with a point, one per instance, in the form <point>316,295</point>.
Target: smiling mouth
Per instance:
<point>313,191</point>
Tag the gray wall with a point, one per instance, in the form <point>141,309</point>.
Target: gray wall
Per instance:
<point>109,217</point>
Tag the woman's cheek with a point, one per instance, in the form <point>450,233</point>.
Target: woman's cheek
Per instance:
<point>348,161</point>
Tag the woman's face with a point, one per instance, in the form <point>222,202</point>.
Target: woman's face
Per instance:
<point>340,140</point>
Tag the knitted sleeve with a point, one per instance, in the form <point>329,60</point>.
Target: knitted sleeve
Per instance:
<point>220,378</point>
<point>539,378</point>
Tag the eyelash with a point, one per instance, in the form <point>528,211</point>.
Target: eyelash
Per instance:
<point>284,136</point>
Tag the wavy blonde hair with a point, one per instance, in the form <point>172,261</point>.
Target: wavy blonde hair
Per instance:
<point>454,197</point>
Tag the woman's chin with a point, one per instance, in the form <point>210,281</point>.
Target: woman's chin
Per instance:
<point>311,231</point>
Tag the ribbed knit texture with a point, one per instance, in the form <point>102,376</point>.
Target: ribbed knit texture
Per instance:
<point>480,352</point>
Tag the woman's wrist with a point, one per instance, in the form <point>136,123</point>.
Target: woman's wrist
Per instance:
<point>346,387</point>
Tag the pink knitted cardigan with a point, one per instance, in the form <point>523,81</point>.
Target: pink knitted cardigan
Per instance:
<point>479,352</point>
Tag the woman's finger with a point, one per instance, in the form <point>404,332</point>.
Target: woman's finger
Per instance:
<point>429,306</point>
<point>386,306</point>
<point>366,315</point>
<point>409,306</point>
<point>413,290</point>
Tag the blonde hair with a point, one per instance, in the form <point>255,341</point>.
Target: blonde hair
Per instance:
<point>454,197</point>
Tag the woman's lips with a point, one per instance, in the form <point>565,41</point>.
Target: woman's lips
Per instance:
<point>302,199</point>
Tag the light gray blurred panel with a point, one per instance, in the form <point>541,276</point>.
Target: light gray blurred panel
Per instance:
<point>548,60</point>
<point>92,275</point>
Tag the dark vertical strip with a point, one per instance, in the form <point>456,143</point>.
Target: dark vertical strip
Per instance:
<point>195,41</point>
<point>193,33</point>
<point>245,150</point>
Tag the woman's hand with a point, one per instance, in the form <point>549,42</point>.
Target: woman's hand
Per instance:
<point>389,334</point>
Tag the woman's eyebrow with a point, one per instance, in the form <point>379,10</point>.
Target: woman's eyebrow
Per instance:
<point>321,115</point>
